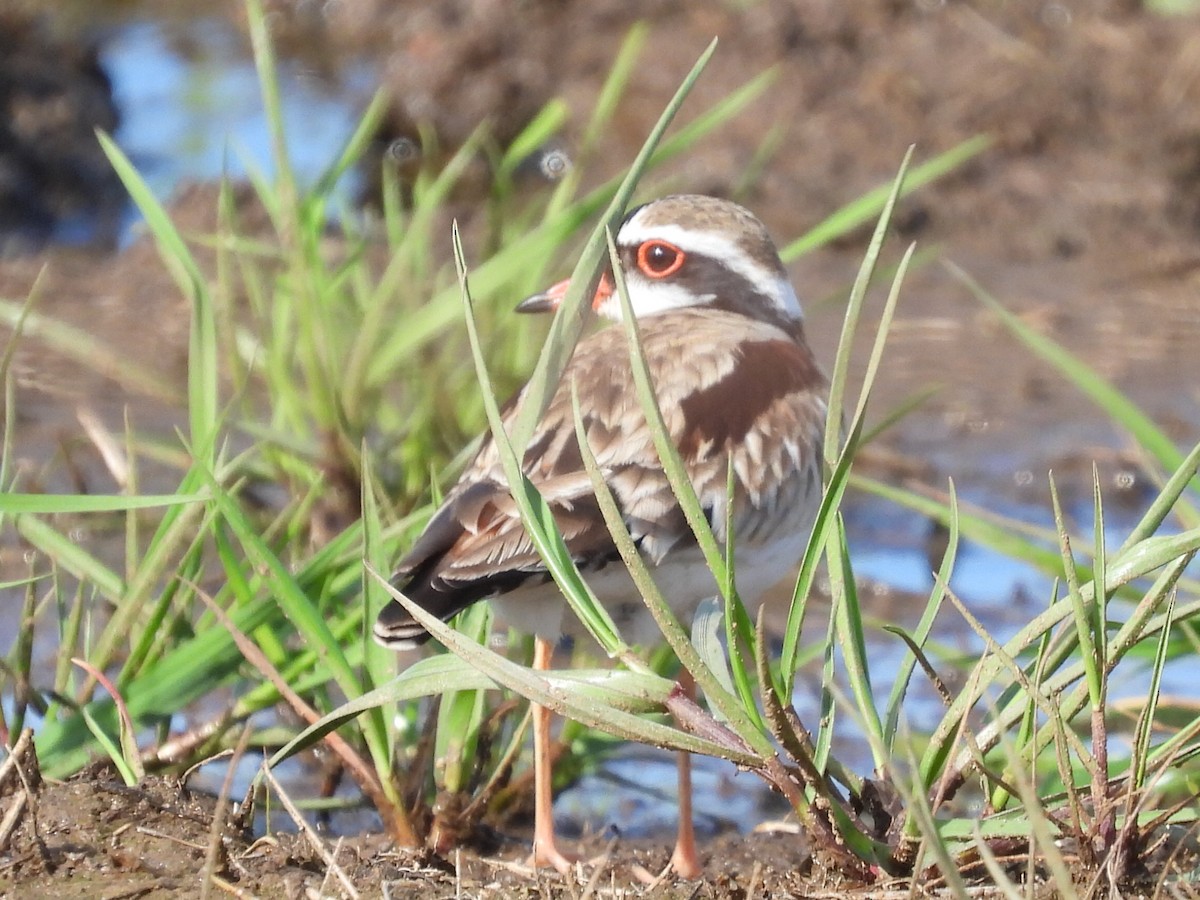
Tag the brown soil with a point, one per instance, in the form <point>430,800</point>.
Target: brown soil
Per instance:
<point>53,94</point>
<point>94,837</point>
<point>1082,216</point>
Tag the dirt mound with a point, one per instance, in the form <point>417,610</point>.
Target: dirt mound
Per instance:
<point>53,95</point>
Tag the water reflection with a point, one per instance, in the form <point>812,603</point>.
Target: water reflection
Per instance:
<point>191,109</point>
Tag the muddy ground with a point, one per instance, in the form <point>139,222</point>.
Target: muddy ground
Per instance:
<point>95,838</point>
<point>1083,217</point>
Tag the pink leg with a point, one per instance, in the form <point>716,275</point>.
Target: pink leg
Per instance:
<point>685,860</point>
<point>545,852</point>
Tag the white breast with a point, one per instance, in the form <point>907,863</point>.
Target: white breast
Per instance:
<point>683,578</point>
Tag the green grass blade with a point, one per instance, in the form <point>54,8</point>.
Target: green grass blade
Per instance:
<point>828,715</point>
<point>574,313</point>
<point>446,672</point>
<point>460,715</point>
<point>841,366</point>
<point>202,347</point>
<point>379,662</point>
<point>110,748</point>
<point>268,86</point>
<point>591,710</point>
<point>851,639</point>
<point>741,635</point>
<point>536,516</point>
<point>71,557</point>
<point>548,122</point>
<point>1170,553</point>
<point>870,204</point>
<point>1166,502</point>
<point>1079,607</point>
<point>1152,439</point>
<point>840,458</point>
<point>924,627</point>
<point>365,131</point>
<point>77,504</point>
<point>1145,724</point>
<point>192,669</point>
<point>707,677</point>
<point>620,73</point>
<point>1098,611</point>
<point>286,591</point>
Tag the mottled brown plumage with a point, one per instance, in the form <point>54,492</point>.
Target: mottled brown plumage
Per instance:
<point>733,375</point>
<point>475,547</point>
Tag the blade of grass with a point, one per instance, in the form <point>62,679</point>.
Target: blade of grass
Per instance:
<point>924,627</point>
<point>574,313</point>
<point>726,703</point>
<point>76,504</point>
<point>849,633</point>
<point>841,458</point>
<point>71,557</point>
<point>1142,733</point>
<point>839,377</point>
<point>268,87</point>
<point>1079,608</point>
<point>1165,502</point>
<point>1152,439</point>
<point>126,758</point>
<point>870,204</point>
<point>621,71</point>
<point>590,709</point>
<point>379,663</point>
<point>536,516</point>
<point>202,353</point>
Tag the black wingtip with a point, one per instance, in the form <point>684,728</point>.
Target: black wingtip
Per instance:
<point>397,630</point>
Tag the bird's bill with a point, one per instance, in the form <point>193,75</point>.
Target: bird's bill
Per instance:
<point>550,299</point>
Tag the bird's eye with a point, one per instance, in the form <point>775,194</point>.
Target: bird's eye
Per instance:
<point>658,259</point>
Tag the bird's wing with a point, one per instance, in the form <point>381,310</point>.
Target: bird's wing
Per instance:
<point>728,385</point>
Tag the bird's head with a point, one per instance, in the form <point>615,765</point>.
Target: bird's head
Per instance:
<point>692,251</point>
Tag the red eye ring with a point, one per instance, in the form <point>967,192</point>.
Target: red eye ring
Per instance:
<point>658,259</point>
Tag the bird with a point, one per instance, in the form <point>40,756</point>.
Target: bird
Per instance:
<point>722,331</point>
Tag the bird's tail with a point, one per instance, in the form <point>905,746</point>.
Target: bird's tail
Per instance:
<point>396,629</point>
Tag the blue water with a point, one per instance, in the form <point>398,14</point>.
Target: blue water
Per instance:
<point>199,116</point>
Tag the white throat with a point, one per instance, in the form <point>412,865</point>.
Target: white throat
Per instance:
<point>649,298</point>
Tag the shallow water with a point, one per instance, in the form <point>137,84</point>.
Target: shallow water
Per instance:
<point>191,107</point>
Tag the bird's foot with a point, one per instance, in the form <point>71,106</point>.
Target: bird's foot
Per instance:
<point>685,864</point>
<point>546,853</point>
<point>685,861</point>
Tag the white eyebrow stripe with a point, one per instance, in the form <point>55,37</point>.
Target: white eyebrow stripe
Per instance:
<point>766,281</point>
<point>704,243</point>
